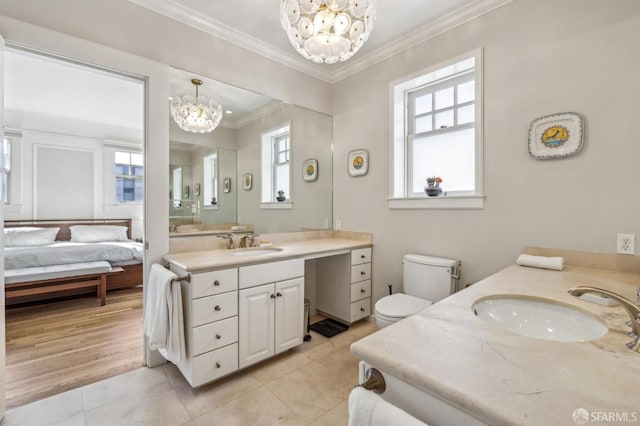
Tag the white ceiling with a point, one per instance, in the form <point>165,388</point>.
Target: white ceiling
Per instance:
<point>255,25</point>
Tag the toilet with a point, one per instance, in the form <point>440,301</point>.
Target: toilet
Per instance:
<point>426,280</point>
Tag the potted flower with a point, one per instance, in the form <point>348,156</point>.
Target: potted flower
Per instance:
<point>281,196</point>
<point>433,186</point>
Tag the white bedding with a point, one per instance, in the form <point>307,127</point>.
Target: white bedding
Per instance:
<point>65,252</point>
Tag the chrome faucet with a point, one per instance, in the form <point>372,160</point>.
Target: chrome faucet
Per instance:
<point>254,243</point>
<point>633,309</point>
<point>230,244</point>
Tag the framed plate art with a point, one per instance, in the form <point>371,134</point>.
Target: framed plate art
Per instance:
<point>310,170</point>
<point>247,181</point>
<point>358,162</point>
<point>226,184</point>
<point>556,136</point>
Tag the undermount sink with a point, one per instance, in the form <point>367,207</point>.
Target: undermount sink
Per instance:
<point>255,251</point>
<point>539,318</point>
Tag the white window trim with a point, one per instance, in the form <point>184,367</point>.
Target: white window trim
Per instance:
<point>15,205</point>
<point>397,148</point>
<point>206,191</point>
<point>266,168</point>
<point>110,149</point>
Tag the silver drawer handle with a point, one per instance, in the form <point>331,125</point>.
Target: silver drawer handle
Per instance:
<point>279,294</point>
<point>363,273</point>
<point>273,296</point>
<point>362,309</point>
<point>217,308</point>
<point>218,365</point>
<point>362,256</point>
<point>216,283</point>
<point>362,290</point>
<point>218,336</point>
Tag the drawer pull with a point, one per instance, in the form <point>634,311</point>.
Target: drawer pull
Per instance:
<point>363,273</point>
<point>217,308</point>
<point>362,309</point>
<point>362,256</point>
<point>216,283</point>
<point>279,294</point>
<point>273,296</point>
<point>218,365</point>
<point>362,290</point>
<point>218,336</point>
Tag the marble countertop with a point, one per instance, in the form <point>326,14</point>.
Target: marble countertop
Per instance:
<point>196,261</point>
<point>503,378</point>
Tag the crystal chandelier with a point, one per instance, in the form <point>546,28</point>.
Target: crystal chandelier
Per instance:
<point>327,30</point>
<point>199,115</point>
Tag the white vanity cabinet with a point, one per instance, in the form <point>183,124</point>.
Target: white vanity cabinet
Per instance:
<point>210,310</point>
<point>271,309</point>
<point>344,285</point>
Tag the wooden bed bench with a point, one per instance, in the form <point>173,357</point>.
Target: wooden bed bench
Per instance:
<point>22,284</point>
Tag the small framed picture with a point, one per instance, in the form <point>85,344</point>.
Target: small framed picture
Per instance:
<point>358,162</point>
<point>310,170</point>
<point>556,136</point>
<point>196,190</point>
<point>226,184</point>
<point>247,181</point>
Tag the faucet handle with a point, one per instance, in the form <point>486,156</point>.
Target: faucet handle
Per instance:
<point>252,240</point>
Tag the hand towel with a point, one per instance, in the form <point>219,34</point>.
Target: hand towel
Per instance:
<point>368,409</point>
<point>556,263</point>
<point>163,320</point>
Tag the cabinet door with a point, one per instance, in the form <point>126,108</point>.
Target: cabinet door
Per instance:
<point>289,314</point>
<point>256,319</point>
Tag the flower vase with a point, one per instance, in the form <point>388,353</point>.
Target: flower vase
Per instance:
<point>433,191</point>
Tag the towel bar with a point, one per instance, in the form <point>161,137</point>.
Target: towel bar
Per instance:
<point>186,278</point>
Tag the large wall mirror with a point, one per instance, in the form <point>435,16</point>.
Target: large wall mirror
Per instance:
<point>268,164</point>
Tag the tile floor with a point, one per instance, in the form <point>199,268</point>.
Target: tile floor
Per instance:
<point>307,385</point>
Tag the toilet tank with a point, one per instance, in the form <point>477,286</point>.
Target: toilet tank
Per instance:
<point>430,278</point>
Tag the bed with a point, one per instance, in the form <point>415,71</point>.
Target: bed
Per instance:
<point>58,258</point>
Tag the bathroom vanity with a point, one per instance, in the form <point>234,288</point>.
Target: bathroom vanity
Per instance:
<point>244,306</point>
<point>445,365</point>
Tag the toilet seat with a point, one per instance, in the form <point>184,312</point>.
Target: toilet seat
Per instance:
<point>399,305</point>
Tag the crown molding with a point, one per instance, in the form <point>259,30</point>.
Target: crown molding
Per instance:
<point>177,11</point>
<point>422,34</point>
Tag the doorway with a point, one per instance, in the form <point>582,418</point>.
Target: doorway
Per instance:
<point>76,138</point>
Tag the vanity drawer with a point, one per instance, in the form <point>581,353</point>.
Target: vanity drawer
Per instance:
<point>361,256</point>
<point>360,272</point>
<point>360,290</point>
<point>266,273</point>
<point>215,364</point>
<point>360,309</point>
<point>214,308</point>
<point>215,282</point>
<point>215,335</point>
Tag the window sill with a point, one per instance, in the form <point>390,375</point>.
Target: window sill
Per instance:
<point>215,207</point>
<point>453,202</point>
<point>281,205</point>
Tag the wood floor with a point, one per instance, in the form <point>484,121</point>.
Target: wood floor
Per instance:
<point>58,346</point>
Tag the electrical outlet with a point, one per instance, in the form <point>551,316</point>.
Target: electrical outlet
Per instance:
<point>626,244</point>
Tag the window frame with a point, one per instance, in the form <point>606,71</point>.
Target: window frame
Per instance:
<point>400,177</point>
<point>210,181</point>
<point>268,190</point>
<point>129,151</point>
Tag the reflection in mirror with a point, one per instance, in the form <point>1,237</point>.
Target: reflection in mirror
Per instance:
<point>242,145</point>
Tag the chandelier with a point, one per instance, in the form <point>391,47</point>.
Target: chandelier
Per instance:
<point>327,30</point>
<point>199,115</point>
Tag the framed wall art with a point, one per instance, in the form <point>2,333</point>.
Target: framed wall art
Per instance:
<point>226,184</point>
<point>556,136</point>
<point>247,181</point>
<point>196,190</point>
<point>358,162</point>
<point>310,170</point>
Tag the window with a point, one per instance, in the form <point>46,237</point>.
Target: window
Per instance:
<point>6,172</point>
<point>437,131</point>
<point>129,173</point>
<point>276,166</point>
<point>211,181</point>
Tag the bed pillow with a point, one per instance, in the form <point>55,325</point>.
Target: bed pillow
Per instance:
<point>98,233</point>
<point>21,229</point>
<point>39,237</point>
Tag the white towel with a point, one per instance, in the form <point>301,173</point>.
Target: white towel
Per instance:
<point>368,409</point>
<point>556,263</point>
<point>163,321</point>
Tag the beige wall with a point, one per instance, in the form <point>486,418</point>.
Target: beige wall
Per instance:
<point>541,57</point>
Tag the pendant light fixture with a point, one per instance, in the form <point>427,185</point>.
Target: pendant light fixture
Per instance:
<point>196,115</point>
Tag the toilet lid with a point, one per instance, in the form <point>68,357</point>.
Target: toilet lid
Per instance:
<point>400,305</point>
